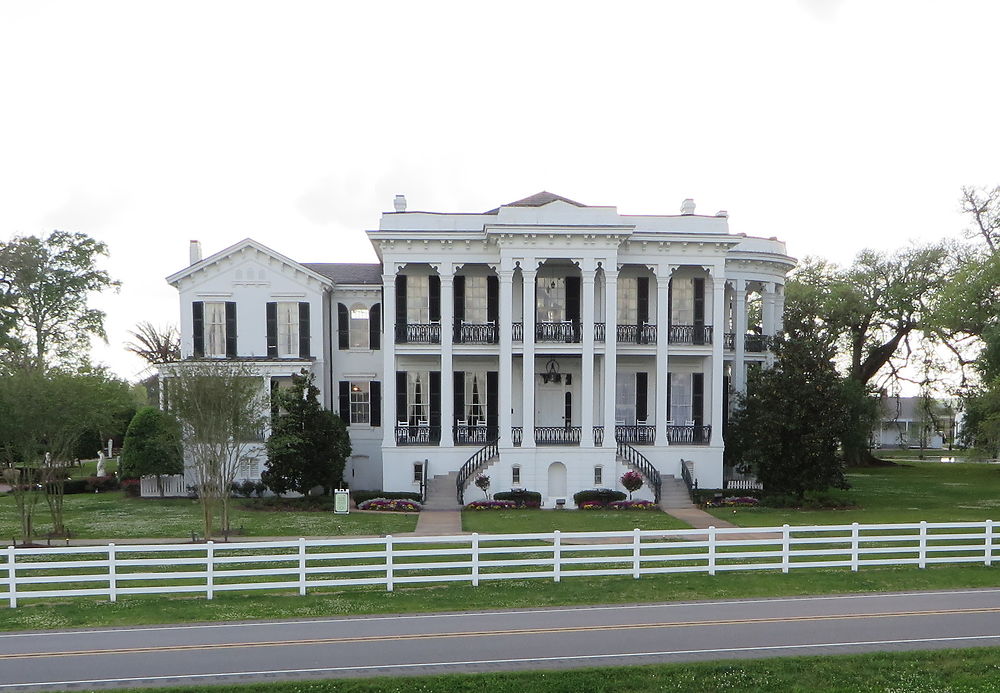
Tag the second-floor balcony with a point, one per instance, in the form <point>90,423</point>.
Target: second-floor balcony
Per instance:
<point>418,333</point>
<point>636,334</point>
<point>476,333</point>
<point>752,343</point>
<point>695,335</point>
<point>562,331</point>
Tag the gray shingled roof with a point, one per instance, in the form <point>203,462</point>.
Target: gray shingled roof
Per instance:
<point>537,200</point>
<point>348,272</point>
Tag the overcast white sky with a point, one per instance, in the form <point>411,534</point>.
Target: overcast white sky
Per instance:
<point>834,125</point>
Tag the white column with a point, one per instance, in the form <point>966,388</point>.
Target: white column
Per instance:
<point>767,309</point>
<point>587,382</point>
<point>718,365</point>
<point>779,308</point>
<point>528,272</point>
<point>740,328</point>
<point>662,408</point>
<point>506,356</point>
<point>610,351</point>
<point>389,358</point>
<point>447,369</point>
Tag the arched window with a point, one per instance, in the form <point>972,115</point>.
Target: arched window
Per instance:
<point>359,327</point>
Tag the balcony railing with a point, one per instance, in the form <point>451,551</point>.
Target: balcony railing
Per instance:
<point>691,334</point>
<point>635,435</point>
<point>476,333</point>
<point>417,333</point>
<point>473,435</point>
<point>418,435</point>
<point>598,436</point>
<point>517,435</point>
<point>729,343</point>
<point>517,331</point>
<point>599,332</point>
<point>689,435</point>
<point>557,435</point>
<point>756,343</point>
<point>564,331</point>
<point>637,334</point>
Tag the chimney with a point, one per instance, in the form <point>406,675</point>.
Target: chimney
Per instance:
<point>687,206</point>
<point>195,250</point>
<point>722,213</point>
<point>399,203</point>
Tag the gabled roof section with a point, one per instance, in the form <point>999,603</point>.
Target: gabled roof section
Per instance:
<point>537,200</point>
<point>348,272</point>
<point>173,279</point>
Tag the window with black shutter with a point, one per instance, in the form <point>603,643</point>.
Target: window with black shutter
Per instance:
<point>401,396</point>
<point>573,300</point>
<point>642,301</point>
<point>699,301</point>
<point>698,398</point>
<point>345,401</point>
<point>492,405</point>
<point>435,402</point>
<point>375,388</point>
<point>230,329</point>
<point>198,327</point>
<point>343,327</point>
<point>493,300</point>
<point>459,305</point>
<point>303,330</point>
<point>641,389</point>
<point>375,327</point>
<point>434,298</point>
<point>400,328</point>
<point>271,319</point>
<point>459,398</point>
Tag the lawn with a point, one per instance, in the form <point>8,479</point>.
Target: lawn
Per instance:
<point>907,492</point>
<point>526,521</point>
<point>113,516</point>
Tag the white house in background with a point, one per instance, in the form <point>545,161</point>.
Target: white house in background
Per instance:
<point>552,343</point>
<point>917,422</point>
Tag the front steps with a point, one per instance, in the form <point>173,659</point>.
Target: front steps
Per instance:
<point>674,494</point>
<point>441,492</point>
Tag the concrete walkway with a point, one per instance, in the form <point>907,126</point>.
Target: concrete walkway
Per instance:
<point>441,515</point>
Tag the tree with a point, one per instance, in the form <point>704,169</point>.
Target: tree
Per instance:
<point>47,283</point>
<point>155,345</point>
<point>152,446</point>
<point>631,482</point>
<point>308,445</point>
<point>984,207</point>
<point>483,484</point>
<point>220,407</point>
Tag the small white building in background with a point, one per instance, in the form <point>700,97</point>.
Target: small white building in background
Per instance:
<point>917,422</point>
<point>554,344</point>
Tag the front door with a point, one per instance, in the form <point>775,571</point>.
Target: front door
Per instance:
<point>553,405</point>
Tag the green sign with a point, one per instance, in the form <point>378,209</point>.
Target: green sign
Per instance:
<point>342,501</point>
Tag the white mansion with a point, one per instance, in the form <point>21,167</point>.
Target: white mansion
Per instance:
<point>551,344</point>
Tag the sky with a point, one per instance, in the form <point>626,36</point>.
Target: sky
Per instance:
<point>835,125</point>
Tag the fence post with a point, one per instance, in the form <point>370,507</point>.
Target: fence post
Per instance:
<point>388,563</point>
<point>12,576</point>
<point>711,550</point>
<point>785,548</point>
<point>988,560</point>
<point>112,576</point>
<point>556,555</point>
<point>475,559</point>
<point>636,553</point>
<point>302,566</point>
<point>855,547</point>
<point>209,569</point>
<point>922,556</point>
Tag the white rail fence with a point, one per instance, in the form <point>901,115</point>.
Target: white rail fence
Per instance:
<point>116,570</point>
<point>173,486</point>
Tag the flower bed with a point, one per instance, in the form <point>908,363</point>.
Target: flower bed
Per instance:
<point>491,505</point>
<point>399,505</point>
<point>633,505</point>
<point>733,502</point>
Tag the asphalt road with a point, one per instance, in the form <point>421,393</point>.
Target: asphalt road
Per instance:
<point>502,640</point>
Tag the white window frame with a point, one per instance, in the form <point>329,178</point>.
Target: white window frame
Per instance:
<point>599,476</point>
<point>628,300</point>
<point>358,327</point>
<point>515,475</point>
<point>476,300</point>
<point>475,414</point>
<point>418,299</point>
<point>288,328</point>
<point>550,301</point>
<point>215,329</point>
<point>415,413</point>
<point>359,399</point>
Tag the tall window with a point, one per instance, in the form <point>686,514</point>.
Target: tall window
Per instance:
<point>418,299</point>
<point>625,398</point>
<point>215,328</point>
<point>628,300</point>
<point>515,475</point>
<point>360,403</point>
<point>475,300</point>
<point>550,302</point>
<point>680,398</point>
<point>598,476</point>
<point>359,327</point>
<point>475,397</point>
<point>418,397</point>
<point>682,310</point>
<point>288,329</point>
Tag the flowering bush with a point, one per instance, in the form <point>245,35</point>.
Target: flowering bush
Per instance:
<point>631,482</point>
<point>633,505</point>
<point>491,505</point>
<point>733,502</point>
<point>591,505</point>
<point>399,505</point>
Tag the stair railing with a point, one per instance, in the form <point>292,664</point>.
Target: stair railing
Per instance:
<point>473,465</point>
<point>687,473</point>
<point>423,481</point>
<point>639,463</point>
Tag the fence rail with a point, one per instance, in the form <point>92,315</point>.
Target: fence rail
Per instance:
<point>172,485</point>
<point>112,571</point>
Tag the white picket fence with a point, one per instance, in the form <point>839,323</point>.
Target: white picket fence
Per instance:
<point>173,486</point>
<point>114,570</point>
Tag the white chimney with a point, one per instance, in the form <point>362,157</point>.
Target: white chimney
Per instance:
<point>399,203</point>
<point>195,250</point>
<point>687,206</point>
<point>722,213</point>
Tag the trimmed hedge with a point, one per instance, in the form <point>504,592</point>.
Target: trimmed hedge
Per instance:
<point>598,495</point>
<point>360,497</point>
<point>520,497</point>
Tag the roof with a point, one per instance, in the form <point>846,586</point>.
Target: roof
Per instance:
<point>348,272</point>
<point>237,247</point>
<point>537,200</point>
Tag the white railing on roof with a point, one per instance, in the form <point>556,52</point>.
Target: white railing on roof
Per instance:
<point>115,570</point>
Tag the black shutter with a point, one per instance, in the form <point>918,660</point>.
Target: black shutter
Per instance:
<point>459,394</point>
<point>493,300</point>
<point>274,398</point>
<point>642,304</point>
<point>400,329</point>
<point>345,401</point>
<point>401,396</point>
<point>670,302</point>
<point>271,318</point>
<point>669,412</point>
<point>641,388</point>
<point>434,298</point>
<point>698,398</point>
<point>492,405</point>
<point>725,404</point>
<point>573,299</point>
<point>459,302</point>
<point>375,327</point>
<point>198,318</point>
<point>435,402</point>
<point>230,329</point>
<point>375,400</point>
<point>343,327</point>
<point>303,330</point>
<point>699,301</point>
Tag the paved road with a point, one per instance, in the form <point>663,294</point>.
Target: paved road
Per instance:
<point>501,640</point>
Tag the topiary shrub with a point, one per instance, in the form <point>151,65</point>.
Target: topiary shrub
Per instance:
<point>520,497</point>
<point>597,495</point>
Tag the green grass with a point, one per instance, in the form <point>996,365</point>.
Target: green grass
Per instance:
<point>113,516</point>
<point>956,671</point>
<point>908,492</point>
<point>526,521</point>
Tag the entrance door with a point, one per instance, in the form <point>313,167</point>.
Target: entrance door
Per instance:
<point>550,405</point>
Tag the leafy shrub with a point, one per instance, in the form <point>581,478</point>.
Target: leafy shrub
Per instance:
<point>633,505</point>
<point>491,505</point>
<point>591,505</point>
<point>132,488</point>
<point>71,486</point>
<point>362,496</point>
<point>401,505</point>
<point>243,489</point>
<point>101,484</point>
<point>520,497</point>
<point>598,495</point>
<point>733,502</point>
<point>811,500</point>
<point>281,504</point>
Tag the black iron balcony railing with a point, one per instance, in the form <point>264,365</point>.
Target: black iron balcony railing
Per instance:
<point>557,435</point>
<point>691,334</point>
<point>689,435</point>
<point>756,343</point>
<point>635,434</point>
<point>417,333</point>
<point>517,331</point>
<point>598,436</point>
<point>476,333</point>
<point>637,334</point>
<point>564,331</point>
<point>517,435</point>
<point>729,341</point>
<point>599,332</point>
<point>474,435</point>
<point>418,435</point>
